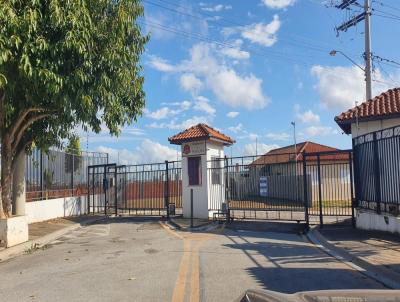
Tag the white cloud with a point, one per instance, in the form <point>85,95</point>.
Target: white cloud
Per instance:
<point>262,33</point>
<point>228,86</point>
<point>215,8</point>
<point>319,131</point>
<point>235,52</point>
<point>232,114</point>
<point>189,82</point>
<point>237,91</point>
<point>175,125</point>
<point>167,112</point>
<point>161,65</point>
<point>278,4</point>
<point>161,113</point>
<point>203,104</point>
<point>250,149</point>
<point>308,117</point>
<point>147,152</point>
<point>340,87</point>
<point>237,128</point>
<point>278,136</point>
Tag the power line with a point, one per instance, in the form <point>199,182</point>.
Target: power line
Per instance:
<point>386,60</point>
<point>387,74</point>
<point>184,11</point>
<point>386,5</point>
<point>196,36</point>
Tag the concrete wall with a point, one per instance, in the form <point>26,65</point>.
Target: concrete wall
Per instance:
<point>371,126</point>
<point>370,220</point>
<point>60,207</point>
<point>203,199</point>
<point>215,192</point>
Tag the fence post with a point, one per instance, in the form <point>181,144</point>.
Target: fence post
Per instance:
<point>88,189</point>
<point>116,190</point>
<point>321,221</point>
<point>72,174</point>
<point>228,211</point>
<point>191,208</point>
<point>41,175</point>
<point>166,188</point>
<point>377,175</point>
<point>351,159</point>
<point>305,191</point>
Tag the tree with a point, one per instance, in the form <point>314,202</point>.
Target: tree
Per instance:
<point>65,64</point>
<point>73,155</point>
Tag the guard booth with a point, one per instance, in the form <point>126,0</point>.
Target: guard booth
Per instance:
<point>202,169</point>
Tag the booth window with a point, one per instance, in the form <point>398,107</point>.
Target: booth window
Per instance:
<point>194,169</point>
<point>215,171</point>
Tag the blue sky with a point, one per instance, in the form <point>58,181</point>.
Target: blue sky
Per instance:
<point>249,68</point>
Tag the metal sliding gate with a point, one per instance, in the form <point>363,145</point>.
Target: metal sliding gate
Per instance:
<point>330,184</point>
<point>148,189</point>
<point>314,188</point>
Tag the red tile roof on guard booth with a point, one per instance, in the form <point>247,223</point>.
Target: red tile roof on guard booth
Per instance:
<point>383,106</point>
<point>199,132</point>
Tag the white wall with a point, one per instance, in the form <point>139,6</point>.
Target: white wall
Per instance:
<point>371,126</point>
<point>201,193</point>
<point>215,192</point>
<point>60,207</point>
<point>370,220</point>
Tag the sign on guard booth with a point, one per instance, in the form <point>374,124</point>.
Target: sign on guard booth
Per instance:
<point>199,145</point>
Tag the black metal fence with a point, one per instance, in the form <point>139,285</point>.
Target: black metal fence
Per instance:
<point>59,174</point>
<point>146,189</point>
<point>377,170</point>
<point>316,186</point>
<point>332,185</point>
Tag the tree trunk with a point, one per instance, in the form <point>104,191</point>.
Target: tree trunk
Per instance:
<point>6,175</point>
<point>18,184</point>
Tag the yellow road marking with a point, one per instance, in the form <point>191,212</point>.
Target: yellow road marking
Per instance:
<point>180,285</point>
<point>195,277</point>
<point>190,259</point>
<point>170,231</point>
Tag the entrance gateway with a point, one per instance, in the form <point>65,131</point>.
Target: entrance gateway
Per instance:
<point>308,183</point>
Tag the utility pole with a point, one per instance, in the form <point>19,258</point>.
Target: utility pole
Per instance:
<point>367,54</point>
<point>366,16</point>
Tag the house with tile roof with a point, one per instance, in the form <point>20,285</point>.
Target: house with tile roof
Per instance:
<point>375,129</point>
<point>381,112</point>
<point>283,170</point>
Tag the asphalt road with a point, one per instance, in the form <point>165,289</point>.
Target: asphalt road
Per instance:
<point>140,260</point>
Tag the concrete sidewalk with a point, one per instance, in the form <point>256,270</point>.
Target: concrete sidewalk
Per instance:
<point>377,254</point>
<point>41,233</point>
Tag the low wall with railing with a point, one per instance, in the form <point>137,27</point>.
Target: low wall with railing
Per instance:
<point>41,210</point>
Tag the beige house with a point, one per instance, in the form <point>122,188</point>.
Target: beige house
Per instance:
<point>283,168</point>
<point>375,128</point>
<point>381,112</point>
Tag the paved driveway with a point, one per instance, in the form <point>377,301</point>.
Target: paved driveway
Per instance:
<point>140,260</point>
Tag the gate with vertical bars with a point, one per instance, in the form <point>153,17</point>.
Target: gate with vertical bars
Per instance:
<point>147,189</point>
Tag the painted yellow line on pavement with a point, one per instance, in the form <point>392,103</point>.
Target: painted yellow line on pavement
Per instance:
<point>180,285</point>
<point>195,276</point>
<point>170,231</point>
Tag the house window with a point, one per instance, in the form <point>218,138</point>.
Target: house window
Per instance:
<point>215,171</point>
<point>194,170</point>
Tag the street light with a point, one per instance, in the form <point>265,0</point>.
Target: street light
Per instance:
<point>366,70</point>
<point>334,52</point>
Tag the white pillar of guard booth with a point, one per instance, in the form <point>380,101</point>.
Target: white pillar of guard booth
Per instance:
<point>202,171</point>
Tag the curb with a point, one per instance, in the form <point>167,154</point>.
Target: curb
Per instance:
<point>201,228</point>
<point>386,277</point>
<point>19,249</point>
